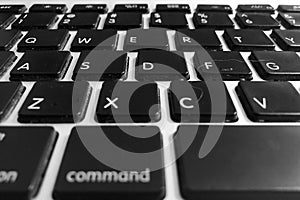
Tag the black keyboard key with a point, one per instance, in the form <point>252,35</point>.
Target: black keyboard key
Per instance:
<point>56,8</point>
<point>36,20</point>
<point>212,20</point>
<point>136,180</point>
<point>171,20</point>
<point>194,102</point>
<point>41,65</point>
<point>214,8</point>
<point>256,8</point>
<point>238,162</point>
<point>120,102</point>
<point>8,38</point>
<point>189,39</point>
<point>95,39</point>
<point>243,40</point>
<point>184,8</point>
<point>74,21</point>
<point>97,8</point>
<point>146,38</point>
<point>55,102</point>
<point>6,19</point>
<point>289,20</point>
<point>123,20</point>
<point>287,40</point>
<point>269,101</point>
<point>228,65</point>
<point>44,40</point>
<point>100,65</point>
<point>256,21</point>
<point>276,65</point>
<point>6,60</point>
<point>12,92</point>
<point>142,8</point>
<point>289,8</point>
<point>25,153</point>
<point>160,65</point>
<point>13,8</point>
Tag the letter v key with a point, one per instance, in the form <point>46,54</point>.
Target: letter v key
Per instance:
<point>262,104</point>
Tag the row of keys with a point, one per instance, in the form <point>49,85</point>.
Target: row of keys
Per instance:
<point>130,20</point>
<point>151,65</point>
<point>119,102</point>
<point>143,8</point>
<point>185,40</point>
<point>85,172</point>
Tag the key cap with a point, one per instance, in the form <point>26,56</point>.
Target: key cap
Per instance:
<point>217,21</point>
<point>213,8</point>
<point>259,21</point>
<point>120,102</point>
<point>8,38</point>
<point>139,182</point>
<point>123,20</point>
<point>74,21</point>
<point>56,8</point>
<point>14,8</point>
<point>44,40</point>
<point>6,60</point>
<point>55,102</point>
<point>146,38</point>
<point>6,19</point>
<point>243,40</point>
<point>100,65</point>
<point>288,8</point>
<point>171,20</point>
<point>95,39</point>
<point>253,162</point>
<point>36,20</point>
<point>289,20</point>
<point>41,65</point>
<point>184,8</point>
<point>142,8</point>
<point>280,65</point>
<point>154,65</point>
<point>256,8</point>
<point>98,8</point>
<point>13,92</point>
<point>287,40</point>
<point>269,101</point>
<point>192,102</point>
<point>25,153</point>
<point>230,65</point>
<point>189,39</point>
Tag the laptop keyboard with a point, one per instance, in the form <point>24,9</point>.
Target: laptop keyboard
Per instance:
<point>143,102</point>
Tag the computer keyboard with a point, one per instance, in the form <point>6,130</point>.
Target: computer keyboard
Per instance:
<point>149,101</point>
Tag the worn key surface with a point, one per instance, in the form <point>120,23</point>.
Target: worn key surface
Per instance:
<point>44,40</point>
<point>160,65</point>
<point>94,39</point>
<point>276,65</point>
<point>24,156</point>
<point>230,65</point>
<point>41,65</point>
<point>55,102</point>
<point>269,101</point>
<point>247,162</point>
<point>83,176</point>
<point>100,65</point>
<point>188,39</point>
<point>287,40</point>
<point>121,102</point>
<point>192,102</point>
